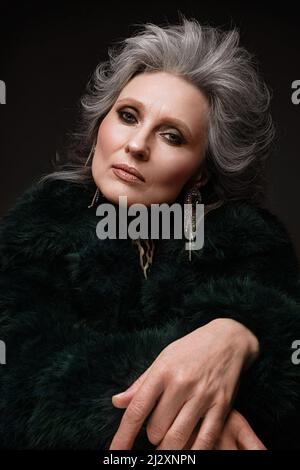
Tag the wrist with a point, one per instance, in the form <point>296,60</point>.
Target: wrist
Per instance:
<point>241,337</point>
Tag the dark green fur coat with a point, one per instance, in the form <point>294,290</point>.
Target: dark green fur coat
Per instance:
<point>81,322</point>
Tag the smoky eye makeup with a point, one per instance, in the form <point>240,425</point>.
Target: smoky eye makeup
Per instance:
<point>126,115</point>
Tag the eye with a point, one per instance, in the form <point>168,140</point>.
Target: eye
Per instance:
<point>175,140</point>
<point>125,116</point>
<point>129,118</point>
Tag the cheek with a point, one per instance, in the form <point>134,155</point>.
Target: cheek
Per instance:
<point>109,137</point>
<point>177,170</point>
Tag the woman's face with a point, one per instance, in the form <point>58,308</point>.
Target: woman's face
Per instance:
<point>157,125</point>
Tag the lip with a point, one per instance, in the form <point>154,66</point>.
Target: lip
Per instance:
<point>130,170</point>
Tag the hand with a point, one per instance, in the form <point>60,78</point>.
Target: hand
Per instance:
<point>237,434</point>
<point>193,378</point>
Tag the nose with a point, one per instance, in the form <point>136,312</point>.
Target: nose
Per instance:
<point>138,147</point>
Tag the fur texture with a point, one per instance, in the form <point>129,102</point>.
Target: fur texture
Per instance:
<point>81,323</point>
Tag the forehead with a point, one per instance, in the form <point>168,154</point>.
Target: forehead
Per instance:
<point>167,92</point>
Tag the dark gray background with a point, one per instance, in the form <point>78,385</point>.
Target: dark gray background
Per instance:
<point>48,51</point>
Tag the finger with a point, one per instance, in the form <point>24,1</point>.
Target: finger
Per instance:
<point>244,435</point>
<point>226,443</point>
<point>248,440</point>
<point>210,429</point>
<point>165,413</point>
<point>183,426</point>
<point>135,414</point>
<point>192,437</point>
<point>122,400</point>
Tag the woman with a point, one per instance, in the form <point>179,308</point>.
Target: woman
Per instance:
<point>204,342</point>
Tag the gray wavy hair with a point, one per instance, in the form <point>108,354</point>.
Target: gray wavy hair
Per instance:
<point>240,127</point>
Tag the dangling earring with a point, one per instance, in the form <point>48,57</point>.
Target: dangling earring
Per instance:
<point>95,198</point>
<point>191,198</point>
<point>97,193</point>
<point>91,153</point>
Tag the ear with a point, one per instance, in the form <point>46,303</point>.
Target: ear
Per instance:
<point>201,178</point>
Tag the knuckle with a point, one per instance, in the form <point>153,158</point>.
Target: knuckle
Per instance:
<point>207,440</point>
<point>223,404</point>
<point>135,411</point>
<point>225,396</point>
<point>179,380</point>
<point>205,390</point>
<point>155,433</point>
<point>176,436</point>
<point>164,370</point>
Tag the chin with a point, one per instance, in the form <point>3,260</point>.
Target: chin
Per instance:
<point>112,190</point>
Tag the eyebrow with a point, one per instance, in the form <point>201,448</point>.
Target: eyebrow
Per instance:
<point>167,120</point>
